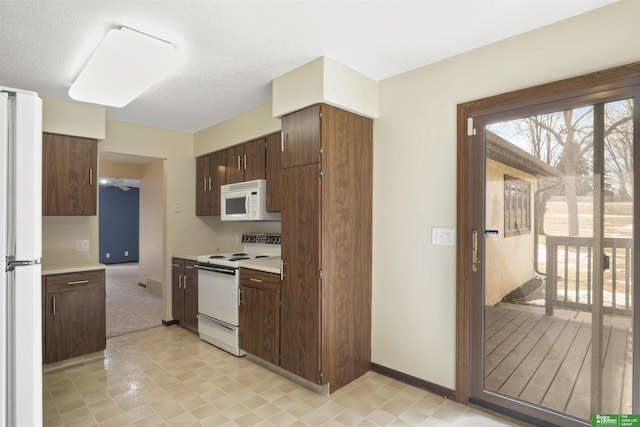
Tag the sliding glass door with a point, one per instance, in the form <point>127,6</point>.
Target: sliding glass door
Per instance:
<point>553,259</point>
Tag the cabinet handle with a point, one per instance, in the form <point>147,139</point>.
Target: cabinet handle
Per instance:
<point>255,280</point>
<point>91,176</point>
<point>54,305</point>
<point>281,269</point>
<point>77,282</point>
<point>205,184</point>
<point>245,162</point>
<point>240,298</point>
<point>184,281</point>
<point>281,140</point>
<point>180,281</point>
<point>209,184</point>
<point>238,162</point>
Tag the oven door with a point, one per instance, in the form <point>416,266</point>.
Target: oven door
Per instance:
<point>218,293</point>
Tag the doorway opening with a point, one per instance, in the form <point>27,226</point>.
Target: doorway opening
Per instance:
<point>132,228</point>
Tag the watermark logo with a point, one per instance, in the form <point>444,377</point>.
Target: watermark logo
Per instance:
<point>615,420</point>
<point>605,420</point>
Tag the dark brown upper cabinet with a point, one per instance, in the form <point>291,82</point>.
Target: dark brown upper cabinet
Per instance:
<point>210,175</point>
<point>302,138</point>
<point>69,175</point>
<point>246,162</point>
<point>274,172</point>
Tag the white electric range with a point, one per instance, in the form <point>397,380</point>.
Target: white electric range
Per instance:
<point>219,290</point>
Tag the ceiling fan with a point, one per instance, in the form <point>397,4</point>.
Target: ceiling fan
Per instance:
<point>115,182</point>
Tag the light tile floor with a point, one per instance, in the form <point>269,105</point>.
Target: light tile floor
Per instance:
<point>169,377</point>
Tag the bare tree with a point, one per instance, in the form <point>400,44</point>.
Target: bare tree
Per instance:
<point>619,147</point>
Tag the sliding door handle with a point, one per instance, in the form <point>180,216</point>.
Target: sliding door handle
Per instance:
<point>474,251</point>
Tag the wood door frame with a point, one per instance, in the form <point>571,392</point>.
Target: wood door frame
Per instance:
<point>601,80</point>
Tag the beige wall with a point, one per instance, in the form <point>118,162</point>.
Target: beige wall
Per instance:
<point>508,260</point>
<point>244,127</point>
<point>414,282</point>
<point>325,81</point>
<point>121,170</point>
<point>153,223</point>
<point>73,118</point>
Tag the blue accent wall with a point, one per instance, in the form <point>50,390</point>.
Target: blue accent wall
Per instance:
<point>119,224</point>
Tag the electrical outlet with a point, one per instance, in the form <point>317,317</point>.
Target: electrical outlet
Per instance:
<point>108,255</point>
<point>126,253</point>
<point>443,236</point>
<point>82,245</point>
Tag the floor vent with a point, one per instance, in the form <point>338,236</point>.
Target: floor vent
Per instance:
<point>154,285</point>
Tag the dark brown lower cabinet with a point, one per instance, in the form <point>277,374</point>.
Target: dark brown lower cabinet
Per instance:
<point>184,296</point>
<point>260,314</point>
<point>74,315</point>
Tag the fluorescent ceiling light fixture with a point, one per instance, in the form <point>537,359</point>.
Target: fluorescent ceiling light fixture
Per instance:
<point>125,64</point>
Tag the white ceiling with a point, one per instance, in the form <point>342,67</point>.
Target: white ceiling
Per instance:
<point>234,49</point>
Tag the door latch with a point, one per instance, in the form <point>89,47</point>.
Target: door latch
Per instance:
<point>474,251</point>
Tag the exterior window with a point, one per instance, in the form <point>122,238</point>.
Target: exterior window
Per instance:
<point>517,203</point>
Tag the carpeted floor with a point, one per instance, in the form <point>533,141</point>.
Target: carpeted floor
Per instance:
<point>130,307</point>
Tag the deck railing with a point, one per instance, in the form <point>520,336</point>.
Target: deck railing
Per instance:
<point>569,281</point>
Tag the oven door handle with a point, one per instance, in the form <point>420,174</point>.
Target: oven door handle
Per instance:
<point>231,272</point>
<point>217,322</point>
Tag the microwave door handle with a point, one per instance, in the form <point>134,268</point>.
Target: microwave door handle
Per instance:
<point>246,204</point>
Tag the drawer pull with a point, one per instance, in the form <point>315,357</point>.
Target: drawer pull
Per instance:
<point>54,305</point>
<point>77,282</point>
<point>255,280</point>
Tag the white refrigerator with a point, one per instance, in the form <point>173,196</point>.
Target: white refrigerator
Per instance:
<point>21,248</point>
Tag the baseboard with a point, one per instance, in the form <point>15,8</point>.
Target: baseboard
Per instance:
<point>169,322</point>
<point>414,381</point>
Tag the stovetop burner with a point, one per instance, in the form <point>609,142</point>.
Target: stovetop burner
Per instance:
<point>256,245</point>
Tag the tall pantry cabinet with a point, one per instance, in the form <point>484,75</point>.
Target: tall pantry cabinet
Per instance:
<point>327,156</point>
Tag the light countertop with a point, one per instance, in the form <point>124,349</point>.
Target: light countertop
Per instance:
<point>270,264</point>
<point>70,267</point>
<point>190,257</point>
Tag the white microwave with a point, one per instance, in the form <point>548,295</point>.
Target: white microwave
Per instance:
<point>246,201</point>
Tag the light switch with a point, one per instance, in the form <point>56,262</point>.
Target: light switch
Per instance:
<point>443,236</point>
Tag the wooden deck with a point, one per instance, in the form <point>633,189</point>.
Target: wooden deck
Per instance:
<point>546,360</point>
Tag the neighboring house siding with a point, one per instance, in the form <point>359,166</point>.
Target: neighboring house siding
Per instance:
<point>119,224</point>
<point>508,260</point>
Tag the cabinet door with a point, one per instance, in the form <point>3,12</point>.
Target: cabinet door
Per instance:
<point>218,165</point>
<point>254,154</point>
<point>75,323</point>
<point>177,293</point>
<point>302,140</point>
<point>260,323</point>
<point>274,172</point>
<point>300,289</point>
<point>69,180</point>
<point>191,295</point>
<point>203,183</point>
<point>235,164</point>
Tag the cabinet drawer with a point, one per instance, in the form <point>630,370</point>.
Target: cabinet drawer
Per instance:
<point>177,263</point>
<point>189,266</point>
<point>260,279</point>
<point>74,281</point>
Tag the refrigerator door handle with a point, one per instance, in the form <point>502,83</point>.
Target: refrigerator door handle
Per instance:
<point>12,263</point>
